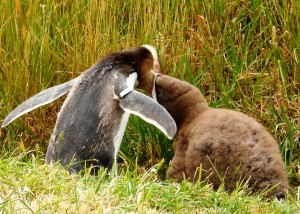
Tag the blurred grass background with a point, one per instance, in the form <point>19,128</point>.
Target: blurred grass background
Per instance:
<point>242,55</point>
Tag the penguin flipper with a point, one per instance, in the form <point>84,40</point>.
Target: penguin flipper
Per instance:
<point>42,98</point>
<point>149,110</point>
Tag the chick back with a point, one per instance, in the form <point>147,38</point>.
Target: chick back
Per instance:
<point>233,147</point>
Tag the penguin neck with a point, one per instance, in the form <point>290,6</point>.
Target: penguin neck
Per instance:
<point>187,107</point>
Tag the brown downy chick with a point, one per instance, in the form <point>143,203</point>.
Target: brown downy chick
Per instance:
<point>227,145</point>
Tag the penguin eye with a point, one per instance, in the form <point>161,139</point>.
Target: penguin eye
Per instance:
<point>133,68</point>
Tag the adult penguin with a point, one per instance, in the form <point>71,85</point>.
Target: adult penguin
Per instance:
<point>92,121</point>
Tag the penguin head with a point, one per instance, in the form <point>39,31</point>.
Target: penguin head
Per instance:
<point>145,62</point>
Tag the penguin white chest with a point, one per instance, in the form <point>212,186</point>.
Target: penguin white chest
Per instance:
<point>131,82</point>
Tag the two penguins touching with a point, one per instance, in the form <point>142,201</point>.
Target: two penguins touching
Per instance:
<point>226,146</point>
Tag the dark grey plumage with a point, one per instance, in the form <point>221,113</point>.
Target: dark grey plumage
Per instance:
<point>91,123</point>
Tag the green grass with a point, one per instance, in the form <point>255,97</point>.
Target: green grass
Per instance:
<point>241,55</point>
<point>29,186</point>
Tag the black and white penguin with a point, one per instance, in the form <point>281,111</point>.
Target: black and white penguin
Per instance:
<point>92,121</point>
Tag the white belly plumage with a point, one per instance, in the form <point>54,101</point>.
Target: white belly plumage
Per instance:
<point>119,136</point>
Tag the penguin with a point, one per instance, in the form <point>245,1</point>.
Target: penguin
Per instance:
<point>93,118</point>
<point>220,146</point>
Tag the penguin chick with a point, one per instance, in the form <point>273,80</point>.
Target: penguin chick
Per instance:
<point>92,121</point>
<point>225,145</point>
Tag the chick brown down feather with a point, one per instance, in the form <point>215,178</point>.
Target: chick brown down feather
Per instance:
<point>226,145</point>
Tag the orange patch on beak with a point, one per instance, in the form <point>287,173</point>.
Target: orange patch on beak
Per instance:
<point>156,66</point>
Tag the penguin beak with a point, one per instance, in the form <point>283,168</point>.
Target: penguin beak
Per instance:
<point>156,72</point>
<point>156,67</point>
<point>153,87</point>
